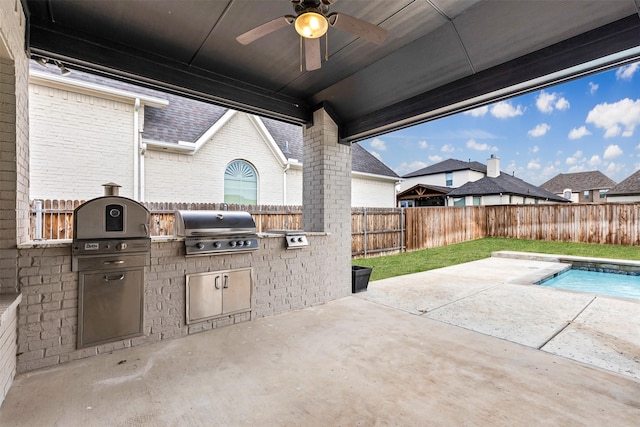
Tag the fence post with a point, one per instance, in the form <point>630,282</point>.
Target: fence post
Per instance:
<point>38,235</point>
<point>364,229</point>
<point>402,228</point>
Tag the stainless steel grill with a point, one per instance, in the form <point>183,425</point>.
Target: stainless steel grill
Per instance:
<point>110,249</point>
<point>216,232</point>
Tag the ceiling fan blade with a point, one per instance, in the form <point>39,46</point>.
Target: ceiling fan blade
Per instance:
<point>356,26</point>
<point>312,55</point>
<point>264,29</point>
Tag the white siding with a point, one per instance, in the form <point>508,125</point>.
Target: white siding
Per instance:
<point>200,177</point>
<point>372,193</point>
<point>294,186</point>
<point>623,199</point>
<point>74,145</point>
<point>440,179</point>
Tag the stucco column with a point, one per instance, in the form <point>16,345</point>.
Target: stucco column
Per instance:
<point>14,146</point>
<point>326,195</point>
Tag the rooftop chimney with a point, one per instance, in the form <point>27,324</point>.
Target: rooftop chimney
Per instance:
<point>493,167</point>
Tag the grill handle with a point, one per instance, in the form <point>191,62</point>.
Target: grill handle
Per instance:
<point>112,278</point>
<point>113,262</point>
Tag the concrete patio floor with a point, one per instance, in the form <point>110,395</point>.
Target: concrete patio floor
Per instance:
<point>358,362</point>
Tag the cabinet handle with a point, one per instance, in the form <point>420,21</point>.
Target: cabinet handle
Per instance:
<point>217,282</point>
<point>113,262</point>
<point>226,281</point>
<point>111,278</point>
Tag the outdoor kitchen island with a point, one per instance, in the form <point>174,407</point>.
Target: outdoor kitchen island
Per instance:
<point>282,280</point>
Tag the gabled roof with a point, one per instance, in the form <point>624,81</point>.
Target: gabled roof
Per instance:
<point>186,120</point>
<point>504,184</point>
<point>425,191</point>
<point>449,165</point>
<point>579,181</point>
<point>628,186</point>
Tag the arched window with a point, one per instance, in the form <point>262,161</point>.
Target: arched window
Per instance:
<point>240,183</point>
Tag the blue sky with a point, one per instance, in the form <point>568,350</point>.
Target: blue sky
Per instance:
<point>592,123</point>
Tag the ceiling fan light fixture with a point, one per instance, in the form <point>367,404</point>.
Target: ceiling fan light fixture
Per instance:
<point>311,25</point>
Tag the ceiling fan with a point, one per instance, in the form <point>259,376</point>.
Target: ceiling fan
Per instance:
<point>312,21</point>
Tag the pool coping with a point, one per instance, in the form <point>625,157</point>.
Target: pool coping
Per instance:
<point>612,264</point>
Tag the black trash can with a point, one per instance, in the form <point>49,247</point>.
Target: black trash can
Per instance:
<point>359,278</point>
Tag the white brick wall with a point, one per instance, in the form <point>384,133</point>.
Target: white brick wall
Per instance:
<point>174,177</point>
<point>459,179</point>
<point>14,177</point>
<point>78,143</point>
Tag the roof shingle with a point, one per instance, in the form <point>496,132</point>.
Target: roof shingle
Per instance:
<point>579,181</point>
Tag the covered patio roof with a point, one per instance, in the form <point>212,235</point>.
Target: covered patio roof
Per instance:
<point>439,57</point>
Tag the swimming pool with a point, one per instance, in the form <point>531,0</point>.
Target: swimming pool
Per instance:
<point>615,284</point>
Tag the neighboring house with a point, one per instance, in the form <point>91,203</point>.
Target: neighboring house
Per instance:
<point>484,185</point>
<point>450,173</point>
<point>87,130</point>
<point>581,187</point>
<point>627,191</point>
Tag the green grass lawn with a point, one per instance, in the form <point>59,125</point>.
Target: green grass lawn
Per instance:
<point>428,259</point>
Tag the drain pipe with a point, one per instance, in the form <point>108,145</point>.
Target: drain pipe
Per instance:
<point>284,184</point>
<point>136,150</point>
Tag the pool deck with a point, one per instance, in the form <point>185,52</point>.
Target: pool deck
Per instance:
<point>471,344</point>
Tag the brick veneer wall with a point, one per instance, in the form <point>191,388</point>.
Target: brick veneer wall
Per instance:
<point>283,280</point>
<point>8,340</point>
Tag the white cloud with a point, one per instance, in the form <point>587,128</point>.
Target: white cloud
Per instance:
<point>436,159</point>
<point>378,144</point>
<point>576,158</point>
<point>620,117</point>
<point>406,167</point>
<point>626,72</point>
<point>478,112</point>
<point>534,164</point>
<point>504,110</point>
<point>562,104</point>
<point>447,148</point>
<point>376,155</point>
<point>593,87</point>
<point>474,145</point>
<point>423,144</point>
<point>577,133</point>
<point>539,130</point>
<point>612,151</point>
<point>614,168</point>
<point>546,102</point>
<point>595,160</point>
<point>534,149</point>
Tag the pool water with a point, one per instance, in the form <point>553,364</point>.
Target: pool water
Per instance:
<point>620,285</point>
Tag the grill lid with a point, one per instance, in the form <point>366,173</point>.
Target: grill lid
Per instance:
<point>213,223</point>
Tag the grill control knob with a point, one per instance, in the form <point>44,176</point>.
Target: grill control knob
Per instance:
<point>240,243</point>
<point>300,239</point>
<point>217,245</point>
<point>121,246</point>
<point>293,240</point>
<point>232,243</point>
<point>247,242</point>
<point>200,245</point>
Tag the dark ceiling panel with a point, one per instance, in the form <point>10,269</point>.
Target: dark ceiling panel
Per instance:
<point>494,32</point>
<point>426,63</point>
<point>162,27</point>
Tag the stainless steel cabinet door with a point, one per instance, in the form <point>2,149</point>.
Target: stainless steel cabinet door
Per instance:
<point>237,291</point>
<point>204,296</point>
<point>110,306</point>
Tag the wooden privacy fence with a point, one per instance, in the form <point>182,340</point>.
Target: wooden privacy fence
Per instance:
<point>381,231</point>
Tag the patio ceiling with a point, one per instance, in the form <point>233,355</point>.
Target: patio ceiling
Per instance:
<point>440,56</point>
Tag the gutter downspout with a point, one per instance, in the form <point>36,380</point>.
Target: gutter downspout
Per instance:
<point>136,150</point>
<point>284,184</point>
